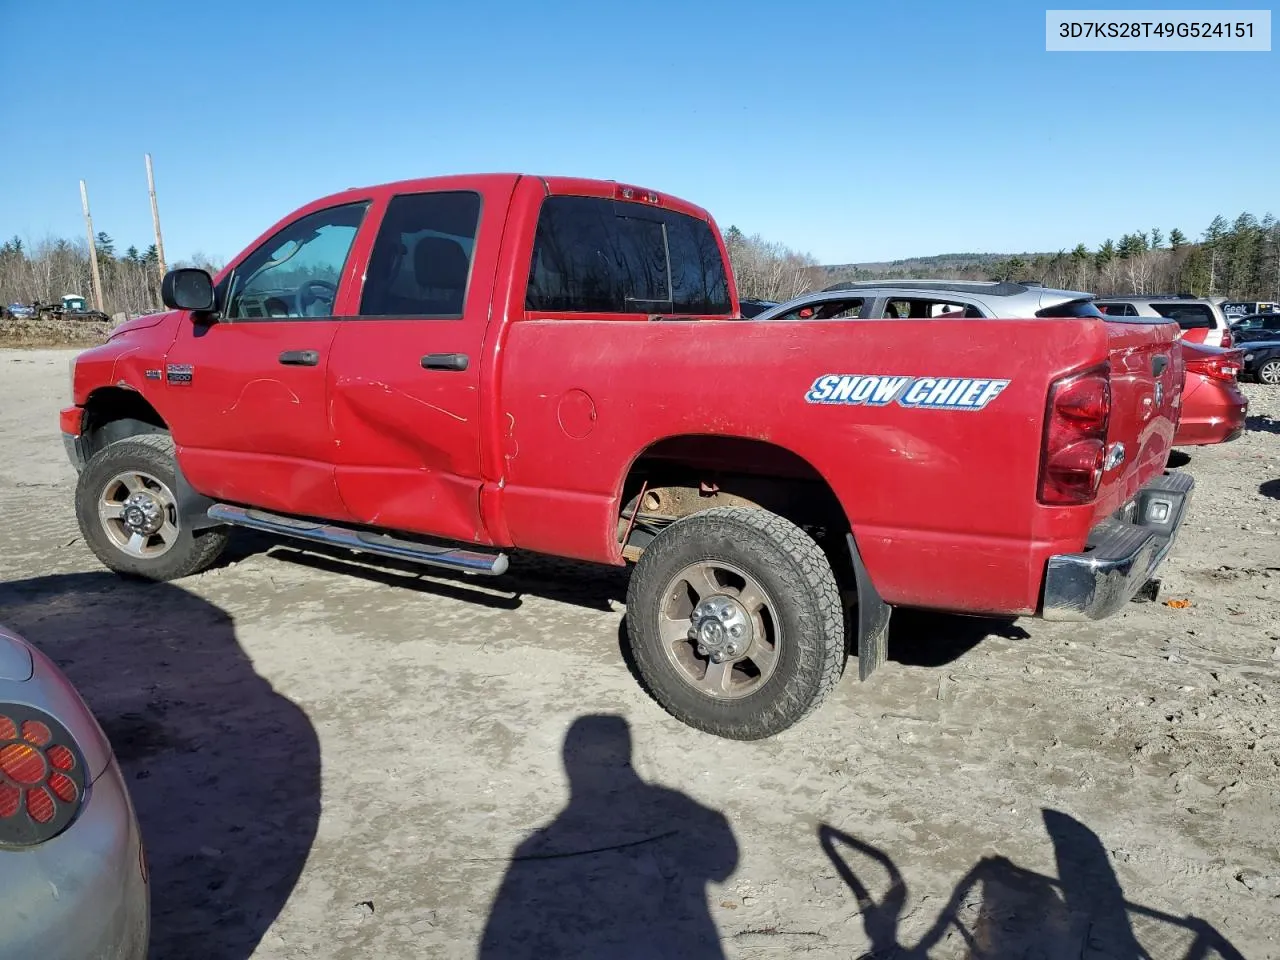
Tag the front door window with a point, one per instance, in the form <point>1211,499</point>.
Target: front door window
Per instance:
<point>296,273</point>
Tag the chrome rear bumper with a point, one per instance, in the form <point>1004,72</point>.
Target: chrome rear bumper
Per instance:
<point>1121,554</point>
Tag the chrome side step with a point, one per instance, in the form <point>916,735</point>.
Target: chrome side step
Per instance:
<point>381,544</point>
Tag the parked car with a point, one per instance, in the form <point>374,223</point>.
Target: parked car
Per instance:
<point>1213,405</point>
<point>931,299</point>
<point>1200,318</point>
<point>749,308</point>
<point>73,876</point>
<point>1262,362</point>
<point>20,311</point>
<point>445,369</point>
<point>1258,326</point>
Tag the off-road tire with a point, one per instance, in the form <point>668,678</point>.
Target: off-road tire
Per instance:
<point>802,587</point>
<point>152,454</point>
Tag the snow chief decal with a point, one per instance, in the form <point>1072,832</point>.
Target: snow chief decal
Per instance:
<point>934,393</point>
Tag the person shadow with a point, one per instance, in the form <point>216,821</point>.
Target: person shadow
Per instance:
<point>621,872</point>
<point>223,771</point>
<point>1001,911</point>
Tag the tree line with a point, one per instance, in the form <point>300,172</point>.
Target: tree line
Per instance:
<point>56,267</point>
<point>1237,259</point>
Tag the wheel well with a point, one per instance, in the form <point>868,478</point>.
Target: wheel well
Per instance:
<point>684,475</point>
<point>113,413</point>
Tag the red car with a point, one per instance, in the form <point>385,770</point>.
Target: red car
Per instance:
<point>446,369</point>
<point>1213,406</point>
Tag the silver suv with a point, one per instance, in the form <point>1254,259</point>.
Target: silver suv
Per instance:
<point>1200,318</point>
<point>909,299</point>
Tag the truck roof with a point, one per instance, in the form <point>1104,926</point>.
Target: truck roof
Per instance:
<point>553,185</point>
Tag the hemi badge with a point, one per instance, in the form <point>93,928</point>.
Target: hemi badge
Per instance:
<point>153,374</point>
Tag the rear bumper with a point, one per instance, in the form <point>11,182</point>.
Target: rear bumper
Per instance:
<point>1213,411</point>
<point>1121,554</point>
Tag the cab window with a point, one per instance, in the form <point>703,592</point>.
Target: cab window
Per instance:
<point>296,273</point>
<point>595,255</point>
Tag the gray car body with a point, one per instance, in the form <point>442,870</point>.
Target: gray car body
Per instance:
<point>81,894</point>
<point>986,298</point>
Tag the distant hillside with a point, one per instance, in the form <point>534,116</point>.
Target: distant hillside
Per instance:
<point>922,266</point>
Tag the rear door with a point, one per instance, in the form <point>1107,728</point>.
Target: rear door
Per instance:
<point>247,392</point>
<point>404,377</point>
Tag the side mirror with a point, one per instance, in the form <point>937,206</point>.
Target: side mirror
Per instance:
<point>187,288</point>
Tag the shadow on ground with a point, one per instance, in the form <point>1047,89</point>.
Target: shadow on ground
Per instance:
<point>1262,424</point>
<point>622,870</point>
<point>223,770</point>
<point>1001,911</point>
<point>1178,458</point>
<point>1270,488</point>
<point>922,638</point>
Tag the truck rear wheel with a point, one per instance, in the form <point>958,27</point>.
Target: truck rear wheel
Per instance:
<point>735,622</point>
<point>129,517</point>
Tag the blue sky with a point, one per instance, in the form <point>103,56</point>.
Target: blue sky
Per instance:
<point>854,131</point>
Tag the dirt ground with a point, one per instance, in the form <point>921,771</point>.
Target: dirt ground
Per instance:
<point>334,759</point>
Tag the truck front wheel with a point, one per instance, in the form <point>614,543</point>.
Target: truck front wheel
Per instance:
<point>129,516</point>
<point>735,622</point>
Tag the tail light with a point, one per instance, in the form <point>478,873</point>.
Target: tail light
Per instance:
<point>1075,437</point>
<point>1225,367</point>
<point>1226,338</point>
<point>42,777</point>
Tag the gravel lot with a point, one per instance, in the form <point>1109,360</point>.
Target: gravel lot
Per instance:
<point>332,759</point>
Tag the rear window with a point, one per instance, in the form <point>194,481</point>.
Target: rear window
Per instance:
<point>1189,316</point>
<point>594,255</point>
<point>1084,308</point>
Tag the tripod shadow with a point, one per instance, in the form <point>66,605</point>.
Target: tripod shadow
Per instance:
<point>224,771</point>
<point>621,872</point>
<point>1002,911</point>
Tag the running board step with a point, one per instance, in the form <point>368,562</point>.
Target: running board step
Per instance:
<point>317,531</point>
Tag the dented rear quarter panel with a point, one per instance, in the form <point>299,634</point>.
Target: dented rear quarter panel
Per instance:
<point>942,501</point>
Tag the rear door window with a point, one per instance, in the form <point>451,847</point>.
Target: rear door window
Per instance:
<point>421,260</point>
<point>595,255</point>
<point>1189,316</point>
<point>918,308</point>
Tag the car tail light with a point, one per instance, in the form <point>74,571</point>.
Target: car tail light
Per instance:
<point>1226,367</point>
<point>1075,437</point>
<point>1226,338</point>
<point>42,777</point>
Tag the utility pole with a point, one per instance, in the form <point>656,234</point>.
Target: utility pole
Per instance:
<point>155,215</point>
<point>93,250</point>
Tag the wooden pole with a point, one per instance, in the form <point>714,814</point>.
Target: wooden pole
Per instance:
<point>155,215</point>
<point>93,250</point>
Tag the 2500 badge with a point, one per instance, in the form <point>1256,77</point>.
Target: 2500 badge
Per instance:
<point>936,393</point>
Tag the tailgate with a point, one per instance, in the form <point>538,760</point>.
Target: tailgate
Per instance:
<point>1146,403</point>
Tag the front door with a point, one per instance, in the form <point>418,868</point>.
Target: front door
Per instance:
<point>248,403</point>
<point>404,375</point>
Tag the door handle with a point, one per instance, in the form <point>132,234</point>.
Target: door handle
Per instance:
<point>445,361</point>
<point>300,358</point>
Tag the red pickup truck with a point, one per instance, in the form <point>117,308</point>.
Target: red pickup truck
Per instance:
<point>446,369</point>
